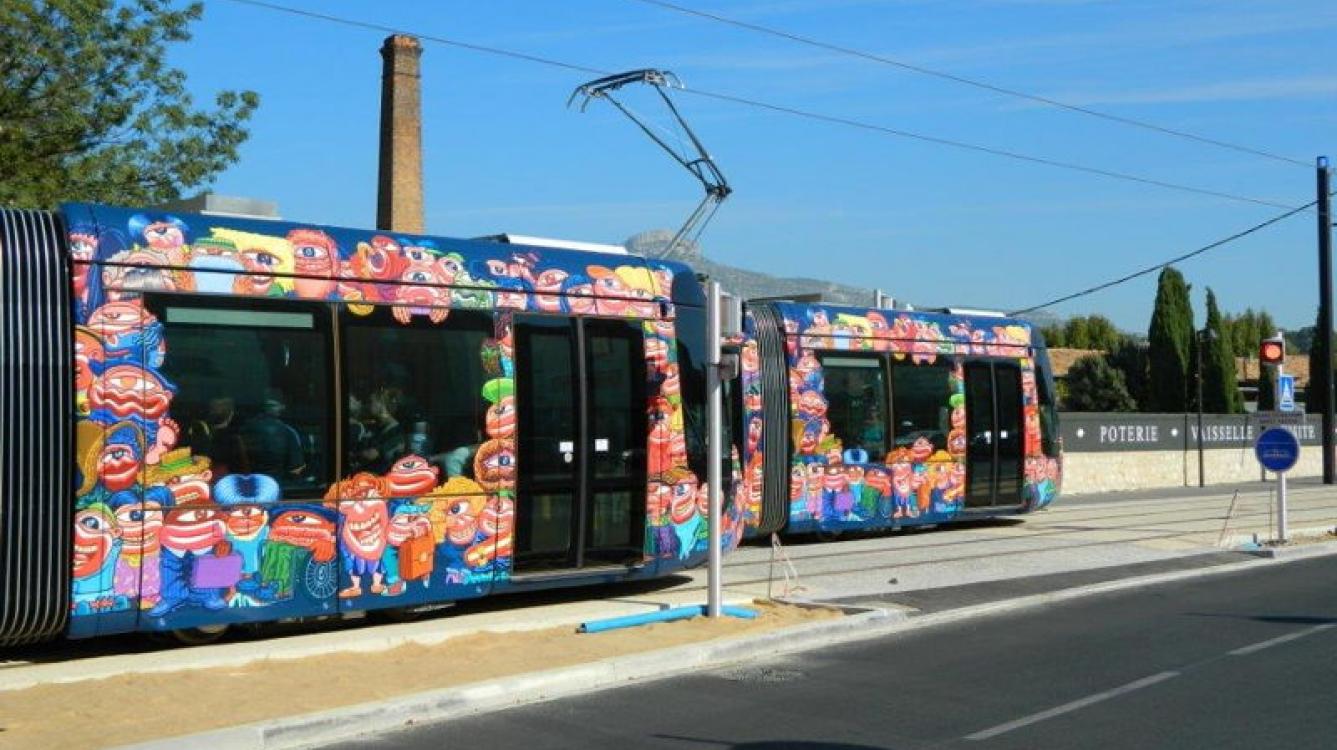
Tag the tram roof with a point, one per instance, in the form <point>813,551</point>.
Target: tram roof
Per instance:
<point>115,227</point>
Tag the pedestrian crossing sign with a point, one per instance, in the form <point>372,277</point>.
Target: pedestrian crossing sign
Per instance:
<point>1286,393</point>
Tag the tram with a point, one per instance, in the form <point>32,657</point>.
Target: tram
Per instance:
<point>213,420</point>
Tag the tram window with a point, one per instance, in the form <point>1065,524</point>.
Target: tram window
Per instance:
<point>856,396</point>
<point>253,391</point>
<point>417,389</point>
<point>920,397</point>
<point>1048,415</point>
<point>690,327</point>
<point>1044,387</point>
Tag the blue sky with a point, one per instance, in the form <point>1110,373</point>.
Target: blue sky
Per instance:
<point>929,224</point>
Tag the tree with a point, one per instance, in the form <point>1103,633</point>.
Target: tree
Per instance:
<point>1130,358</point>
<point>1220,388</point>
<point>1266,329</point>
<point>1101,333</point>
<point>1315,399</point>
<point>89,110</point>
<point>1054,338</point>
<point>1244,333</point>
<point>1095,386</point>
<point>1075,333</point>
<point>1169,342</point>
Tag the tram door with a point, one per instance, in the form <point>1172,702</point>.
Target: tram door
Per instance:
<point>580,394</point>
<point>993,427</point>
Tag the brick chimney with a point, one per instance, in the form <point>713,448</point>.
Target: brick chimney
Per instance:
<point>399,197</point>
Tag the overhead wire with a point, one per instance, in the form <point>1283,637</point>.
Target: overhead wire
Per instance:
<point>1177,259</point>
<point>963,80</point>
<point>778,108</point>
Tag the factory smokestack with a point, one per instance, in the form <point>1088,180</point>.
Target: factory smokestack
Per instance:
<point>399,198</point>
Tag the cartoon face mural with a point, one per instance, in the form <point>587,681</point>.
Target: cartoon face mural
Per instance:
<point>462,518</point>
<point>919,479</point>
<point>304,528</point>
<point>411,476</point>
<point>316,261</point>
<point>129,391</point>
<point>494,465</point>
<point>120,461</point>
<point>96,535</point>
<point>501,418</point>
<point>362,537</point>
<point>158,513</point>
<point>367,527</point>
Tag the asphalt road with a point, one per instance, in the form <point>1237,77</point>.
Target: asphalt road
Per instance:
<point>1240,660</point>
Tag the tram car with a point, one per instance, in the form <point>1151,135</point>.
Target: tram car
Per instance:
<point>212,420</point>
<point>851,419</point>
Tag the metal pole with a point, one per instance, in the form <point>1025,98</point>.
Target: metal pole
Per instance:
<point>1202,476</point>
<point>1281,507</point>
<point>1323,378</point>
<point>714,448</point>
<point>1281,475</point>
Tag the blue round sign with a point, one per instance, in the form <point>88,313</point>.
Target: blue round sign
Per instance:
<point>1277,449</point>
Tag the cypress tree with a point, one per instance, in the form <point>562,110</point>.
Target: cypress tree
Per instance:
<point>1267,379</point>
<point>1266,327</point>
<point>1220,392</point>
<point>1169,342</point>
<point>1314,399</point>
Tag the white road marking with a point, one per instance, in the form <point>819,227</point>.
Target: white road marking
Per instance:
<point>1073,706</point>
<point>1255,648</point>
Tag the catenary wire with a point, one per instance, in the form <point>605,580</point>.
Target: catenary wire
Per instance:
<point>1152,269</point>
<point>793,111</point>
<point>994,88</point>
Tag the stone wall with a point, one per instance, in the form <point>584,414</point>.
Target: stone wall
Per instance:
<point>1109,452</point>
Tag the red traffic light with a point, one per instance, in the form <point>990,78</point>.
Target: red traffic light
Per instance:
<point>1272,352</point>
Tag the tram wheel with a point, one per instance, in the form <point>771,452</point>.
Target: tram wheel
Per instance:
<point>199,636</point>
<point>828,535</point>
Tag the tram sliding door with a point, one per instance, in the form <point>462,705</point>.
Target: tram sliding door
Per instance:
<point>993,425</point>
<point>580,394</point>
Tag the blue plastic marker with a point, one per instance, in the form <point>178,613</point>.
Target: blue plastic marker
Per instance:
<point>663,615</point>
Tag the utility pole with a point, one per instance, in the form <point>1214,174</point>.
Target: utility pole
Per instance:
<point>1323,378</point>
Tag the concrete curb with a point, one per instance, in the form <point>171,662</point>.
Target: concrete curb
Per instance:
<point>401,712</point>
<point>351,722</point>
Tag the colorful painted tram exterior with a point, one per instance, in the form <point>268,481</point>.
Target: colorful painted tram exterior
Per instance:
<point>271,420</point>
<point>858,419</point>
<point>211,420</point>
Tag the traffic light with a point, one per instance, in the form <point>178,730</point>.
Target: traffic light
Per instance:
<point>1272,351</point>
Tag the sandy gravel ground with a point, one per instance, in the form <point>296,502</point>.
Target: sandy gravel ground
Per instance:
<point>137,707</point>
